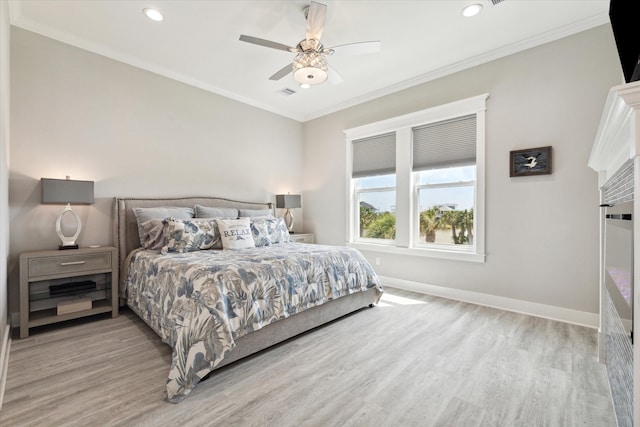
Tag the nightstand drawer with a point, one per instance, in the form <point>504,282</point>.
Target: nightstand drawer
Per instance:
<point>301,238</point>
<point>65,264</point>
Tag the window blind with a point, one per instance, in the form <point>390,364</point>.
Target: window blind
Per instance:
<point>446,143</point>
<point>374,155</point>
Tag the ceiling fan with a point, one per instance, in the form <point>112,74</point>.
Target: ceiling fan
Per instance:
<point>310,65</point>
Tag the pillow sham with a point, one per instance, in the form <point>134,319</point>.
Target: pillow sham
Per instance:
<point>269,231</point>
<point>255,212</point>
<point>188,235</point>
<point>153,234</point>
<point>260,232</point>
<point>281,232</point>
<point>147,214</point>
<point>209,212</point>
<point>235,233</point>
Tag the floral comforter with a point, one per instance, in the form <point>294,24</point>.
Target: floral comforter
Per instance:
<point>201,302</point>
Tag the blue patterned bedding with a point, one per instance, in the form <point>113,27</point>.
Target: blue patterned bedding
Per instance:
<point>201,302</point>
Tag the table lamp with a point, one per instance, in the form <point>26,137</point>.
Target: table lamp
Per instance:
<point>288,202</point>
<point>67,191</point>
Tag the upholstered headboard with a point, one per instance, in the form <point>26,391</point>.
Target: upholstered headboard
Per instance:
<point>125,228</point>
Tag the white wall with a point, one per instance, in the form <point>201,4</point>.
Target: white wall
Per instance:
<point>135,134</point>
<point>541,232</point>
<point>4,159</point>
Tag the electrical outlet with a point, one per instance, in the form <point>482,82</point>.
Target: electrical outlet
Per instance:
<point>377,260</point>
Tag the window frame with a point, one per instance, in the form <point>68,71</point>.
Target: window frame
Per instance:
<point>406,209</point>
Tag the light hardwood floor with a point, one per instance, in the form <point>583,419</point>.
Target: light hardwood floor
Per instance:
<point>414,360</point>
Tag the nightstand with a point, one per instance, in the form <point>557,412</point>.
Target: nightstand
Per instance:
<point>62,285</point>
<point>302,238</point>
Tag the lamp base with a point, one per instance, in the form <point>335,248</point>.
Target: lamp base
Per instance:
<point>288,220</point>
<point>68,242</point>
<point>63,247</point>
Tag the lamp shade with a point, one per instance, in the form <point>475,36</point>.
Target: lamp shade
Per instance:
<point>288,201</point>
<point>63,191</point>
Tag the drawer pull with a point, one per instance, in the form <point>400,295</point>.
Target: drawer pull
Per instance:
<point>72,263</point>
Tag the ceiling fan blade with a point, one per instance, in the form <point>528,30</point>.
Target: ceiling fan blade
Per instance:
<point>359,48</point>
<point>334,76</point>
<point>315,20</point>
<point>283,72</point>
<point>267,43</point>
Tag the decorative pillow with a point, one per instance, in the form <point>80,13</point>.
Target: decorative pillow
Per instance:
<point>208,212</point>
<point>235,233</point>
<point>147,214</point>
<point>269,231</point>
<point>153,234</point>
<point>281,232</point>
<point>260,232</point>
<point>184,235</point>
<point>255,212</point>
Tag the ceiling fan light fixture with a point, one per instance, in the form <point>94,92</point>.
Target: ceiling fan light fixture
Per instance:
<point>310,67</point>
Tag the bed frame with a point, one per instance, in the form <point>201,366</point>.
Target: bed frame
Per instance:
<point>126,239</point>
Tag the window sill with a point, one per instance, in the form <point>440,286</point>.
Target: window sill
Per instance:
<point>423,252</point>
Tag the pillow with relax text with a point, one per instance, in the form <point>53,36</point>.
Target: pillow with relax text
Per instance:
<point>235,233</point>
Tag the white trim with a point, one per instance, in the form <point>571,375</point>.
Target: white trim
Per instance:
<point>442,253</point>
<point>434,114</point>
<point>4,362</point>
<point>560,314</point>
<point>614,142</point>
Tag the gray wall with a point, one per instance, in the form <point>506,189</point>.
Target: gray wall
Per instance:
<point>135,134</point>
<point>139,134</point>
<point>541,232</point>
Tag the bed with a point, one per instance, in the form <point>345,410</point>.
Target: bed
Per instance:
<point>216,306</point>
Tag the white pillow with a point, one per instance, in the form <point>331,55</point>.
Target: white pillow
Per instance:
<point>235,233</point>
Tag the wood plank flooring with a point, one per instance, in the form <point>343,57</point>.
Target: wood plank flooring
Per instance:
<point>414,360</point>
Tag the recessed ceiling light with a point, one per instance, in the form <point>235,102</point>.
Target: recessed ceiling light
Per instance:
<point>305,85</point>
<point>153,14</point>
<point>471,10</point>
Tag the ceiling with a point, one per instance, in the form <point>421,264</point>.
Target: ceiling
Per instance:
<point>197,42</point>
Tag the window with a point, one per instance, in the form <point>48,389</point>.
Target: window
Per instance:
<point>445,206</point>
<point>376,201</point>
<point>427,197</point>
<point>444,164</point>
<point>374,183</point>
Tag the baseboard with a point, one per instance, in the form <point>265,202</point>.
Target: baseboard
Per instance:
<point>4,361</point>
<point>551,312</point>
